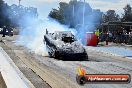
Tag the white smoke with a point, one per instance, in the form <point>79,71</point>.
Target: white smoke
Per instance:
<point>32,36</point>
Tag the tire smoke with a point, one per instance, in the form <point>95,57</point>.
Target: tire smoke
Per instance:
<point>32,36</point>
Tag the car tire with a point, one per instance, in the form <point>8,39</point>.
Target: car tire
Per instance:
<point>56,54</point>
<point>50,55</point>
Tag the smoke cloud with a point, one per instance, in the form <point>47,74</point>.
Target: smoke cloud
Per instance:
<point>85,20</point>
<point>33,30</point>
<point>32,36</point>
<point>80,15</point>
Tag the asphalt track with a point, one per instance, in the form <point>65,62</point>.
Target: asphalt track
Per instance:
<point>45,72</point>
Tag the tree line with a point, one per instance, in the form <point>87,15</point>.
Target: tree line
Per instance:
<point>14,15</point>
<point>72,14</point>
<point>111,15</point>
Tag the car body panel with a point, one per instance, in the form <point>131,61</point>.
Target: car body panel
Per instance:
<point>64,44</point>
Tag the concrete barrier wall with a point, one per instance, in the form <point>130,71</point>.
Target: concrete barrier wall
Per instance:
<point>2,82</point>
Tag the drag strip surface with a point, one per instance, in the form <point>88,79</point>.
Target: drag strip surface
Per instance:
<point>62,74</point>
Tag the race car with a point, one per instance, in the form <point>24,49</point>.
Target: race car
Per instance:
<point>64,45</point>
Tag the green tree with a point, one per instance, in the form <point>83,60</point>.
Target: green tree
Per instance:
<point>111,16</point>
<point>127,16</point>
<point>59,14</point>
<point>1,12</point>
<point>62,11</point>
<point>55,14</point>
<point>4,19</point>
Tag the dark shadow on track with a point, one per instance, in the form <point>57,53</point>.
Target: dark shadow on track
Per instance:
<point>72,59</point>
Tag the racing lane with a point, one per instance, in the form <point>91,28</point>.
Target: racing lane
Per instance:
<point>58,73</point>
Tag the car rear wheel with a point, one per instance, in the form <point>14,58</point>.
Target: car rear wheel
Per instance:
<point>50,55</point>
<point>56,54</point>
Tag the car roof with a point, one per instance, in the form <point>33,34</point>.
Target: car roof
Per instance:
<point>62,31</point>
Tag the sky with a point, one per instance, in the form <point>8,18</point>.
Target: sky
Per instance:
<point>45,6</point>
